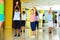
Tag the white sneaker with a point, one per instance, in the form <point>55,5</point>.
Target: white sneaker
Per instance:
<point>33,36</point>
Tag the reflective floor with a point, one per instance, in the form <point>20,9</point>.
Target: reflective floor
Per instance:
<point>42,34</point>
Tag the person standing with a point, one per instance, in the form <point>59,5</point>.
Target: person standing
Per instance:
<point>50,20</point>
<point>32,22</point>
<point>16,20</point>
<point>23,20</point>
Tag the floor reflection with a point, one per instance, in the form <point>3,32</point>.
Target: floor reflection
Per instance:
<point>42,34</point>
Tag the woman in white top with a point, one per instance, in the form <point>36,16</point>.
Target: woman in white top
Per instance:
<point>16,21</point>
<point>23,21</point>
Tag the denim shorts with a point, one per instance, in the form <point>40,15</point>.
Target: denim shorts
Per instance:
<point>33,26</point>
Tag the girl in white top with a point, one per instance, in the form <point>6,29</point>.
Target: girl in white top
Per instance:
<point>23,21</point>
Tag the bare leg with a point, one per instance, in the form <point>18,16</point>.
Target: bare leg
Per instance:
<point>23,28</point>
<point>18,31</point>
<point>50,29</point>
<point>34,33</point>
<point>1,24</point>
<point>15,31</point>
<point>59,24</point>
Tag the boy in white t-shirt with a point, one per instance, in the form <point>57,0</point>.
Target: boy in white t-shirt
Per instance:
<point>23,21</point>
<point>16,21</point>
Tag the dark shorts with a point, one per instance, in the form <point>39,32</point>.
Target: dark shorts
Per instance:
<point>55,21</point>
<point>33,26</point>
<point>43,21</point>
<point>16,24</point>
<point>23,23</point>
<point>37,24</point>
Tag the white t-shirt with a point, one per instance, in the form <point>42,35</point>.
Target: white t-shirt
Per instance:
<point>40,16</point>
<point>23,17</point>
<point>16,16</point>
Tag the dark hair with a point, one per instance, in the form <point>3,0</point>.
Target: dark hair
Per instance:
<point>32,9</point>
<point>59,14</point>
<point>17,8</point>
<point>36,13</point>
<point>23,11</point>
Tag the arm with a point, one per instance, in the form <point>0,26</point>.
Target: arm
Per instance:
<point>34,12</point>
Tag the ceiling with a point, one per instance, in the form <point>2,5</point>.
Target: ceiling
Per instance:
<point>27,0</point>
<point>42,3</point>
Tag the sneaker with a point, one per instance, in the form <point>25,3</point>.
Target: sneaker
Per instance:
<point>18,35</point>
<point>33,36</point>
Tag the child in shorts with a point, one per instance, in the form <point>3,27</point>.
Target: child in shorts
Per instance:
<point>50,20</point>
<point>33,22</point>
<point>16,20</point>
<point>23,21</point>
<point>37,17</point>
